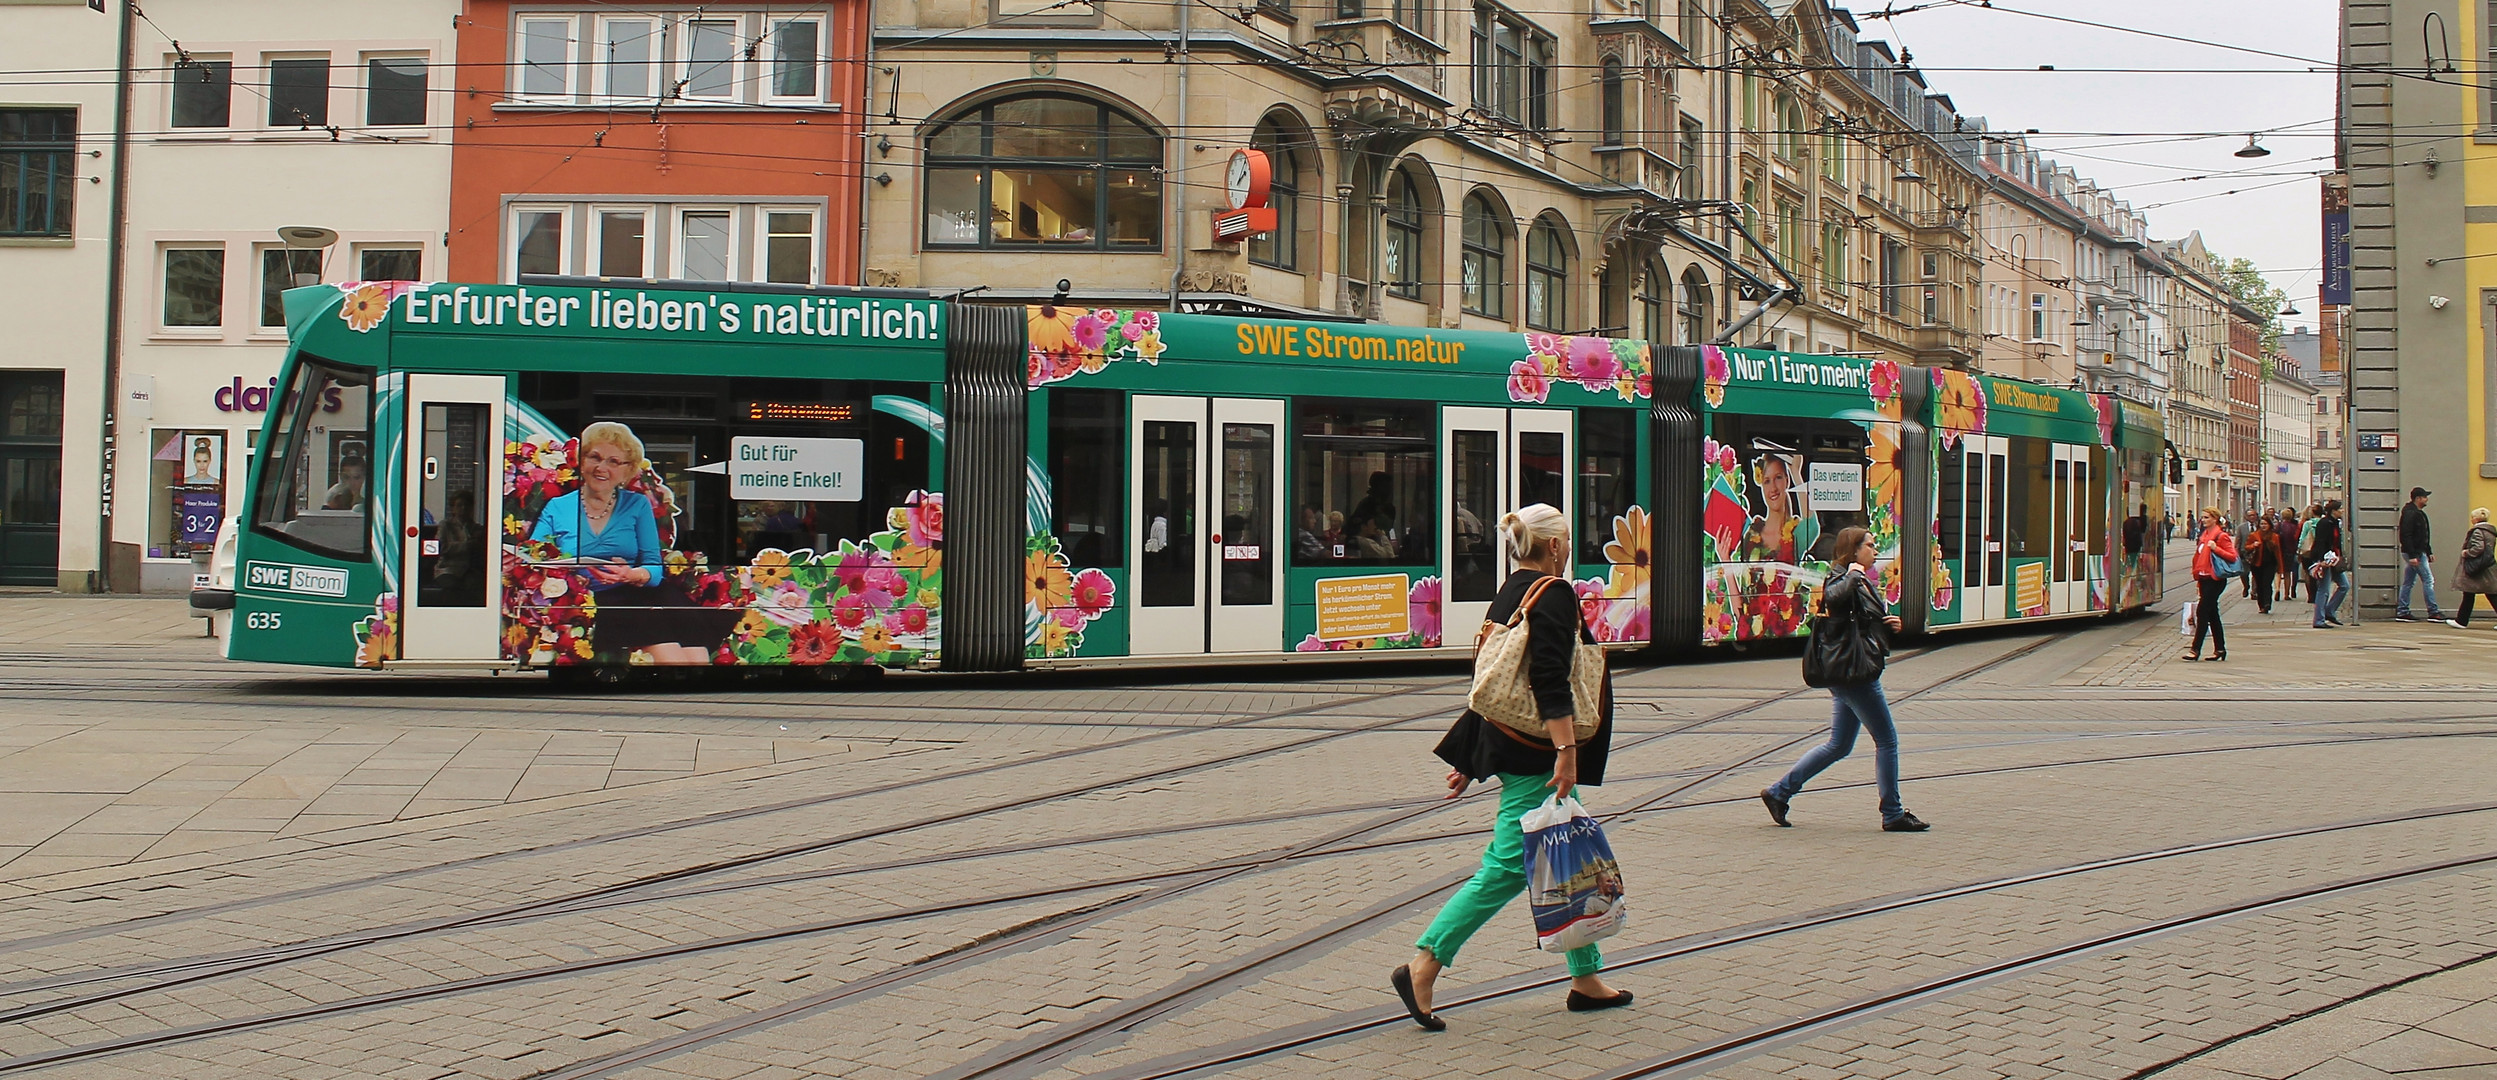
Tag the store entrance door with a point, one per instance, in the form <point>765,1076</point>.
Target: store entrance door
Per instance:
<point>451,584</point>
<point>30,478</point>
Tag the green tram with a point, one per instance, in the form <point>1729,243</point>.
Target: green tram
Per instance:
<point>584,477</point>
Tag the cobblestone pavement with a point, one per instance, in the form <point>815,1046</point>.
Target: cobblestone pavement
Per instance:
<point>2280,866</point>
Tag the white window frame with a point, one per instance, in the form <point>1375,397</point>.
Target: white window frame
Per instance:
<point>603,70</point>
<point>677,214</point>
<point>769,75</point>
<point>173,71</point>
<point>356,252</point>
<point>682,71</point>
<point>264,99</point>
<point>252,277</point>
<point>571,65</point>
<point>225,290</point>
<point>594,238</point>
<point>762,250</point>
<point>364,91</point>
<point>564,263</point>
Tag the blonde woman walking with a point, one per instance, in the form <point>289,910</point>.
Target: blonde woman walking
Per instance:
<point>1530,770</point>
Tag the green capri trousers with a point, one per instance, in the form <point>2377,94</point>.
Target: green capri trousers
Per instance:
<point>1502,877</point>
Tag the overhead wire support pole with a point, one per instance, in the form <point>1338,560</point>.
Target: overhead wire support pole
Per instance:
<point>1771,293</point>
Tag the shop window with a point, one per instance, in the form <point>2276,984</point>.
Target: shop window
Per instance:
<point>1364,477</point>
<point>38,171</point>
<point>1547,275</point>
<point>1401,254</point>
<point>1484,263</point>
<point>390,264</point>
<point>394,91</point>
<point>203,93</point>
<point>279,270</point>
<point>1087,444</point>
<point>317,493</point>
<point>195,287</point>
<point>1608,462</point>
<point>299,93</point>
<point>186,491</point>
<point>1044,171</point>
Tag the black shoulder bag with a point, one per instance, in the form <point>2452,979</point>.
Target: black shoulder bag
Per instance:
<point>1842,650</point>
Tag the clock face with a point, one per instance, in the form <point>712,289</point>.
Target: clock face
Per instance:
<point>1240,177</point>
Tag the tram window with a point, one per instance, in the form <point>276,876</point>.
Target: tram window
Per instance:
<point>1247,479</point>
<point>1994,518</point>
<point>1086,445</point>
<point>1950,501</point>
<point>318,499</point>
<point>1364,471</point>
<point>1167,473</point>
<point>1607,476</point>
<point>1474,576</point>
<point>1775,456</point>
<point>2029,508</point>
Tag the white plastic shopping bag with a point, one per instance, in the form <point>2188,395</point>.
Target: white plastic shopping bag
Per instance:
<point>1571,877</point>
<point>2185,621</point>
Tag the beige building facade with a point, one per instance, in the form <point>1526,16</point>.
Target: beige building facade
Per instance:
<point>2198,403</point>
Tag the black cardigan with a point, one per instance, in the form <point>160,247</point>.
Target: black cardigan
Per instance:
<point>1479,748</point>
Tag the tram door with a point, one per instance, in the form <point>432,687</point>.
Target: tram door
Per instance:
<point>1495,460</point>
<point>2072,516</point>
<point>1205,537</point>
<point>1985,492</point>
<point>450,569</point>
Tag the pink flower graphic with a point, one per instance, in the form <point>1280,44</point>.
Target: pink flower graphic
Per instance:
<point>1528,383</point>
<point>1150,321</point>
<point>1094,594</point>
<point>1547,344</point>
<point>1422,605</point>
<point>850,611</point>
<point>912,619</point>
<point>1885,380</point>
<point>1592,363</point>
<point>789,605</point>
<point>1092,332</point>
<point>927,519</point>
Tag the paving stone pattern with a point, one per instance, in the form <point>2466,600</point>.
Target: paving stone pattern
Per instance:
<point>1118,874</point>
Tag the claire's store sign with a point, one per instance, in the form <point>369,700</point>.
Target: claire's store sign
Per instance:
<point>442,308</point>
<point>235,396</point>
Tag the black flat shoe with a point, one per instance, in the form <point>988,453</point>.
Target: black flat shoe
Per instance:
<point>1904,823</point>
<point>1777,808</point>
<point>1402,977</point>
<point>1581,1003</point>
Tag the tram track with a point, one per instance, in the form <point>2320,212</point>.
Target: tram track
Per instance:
<point>1266,1045</point>
<point>1083,915</point>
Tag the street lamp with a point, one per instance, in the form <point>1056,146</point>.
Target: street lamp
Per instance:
<point>308,238</point>
<point>2253,149</point>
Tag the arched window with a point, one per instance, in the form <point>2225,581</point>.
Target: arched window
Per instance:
<point>1547,275</point>
<point>1695,307</point>
<point>1485,262</point>
<point>1789,120</point>
<point>1400,254</point>
<point>1281,248</point>
<point>1044,171</point>
<point>1649,299</point>
<point>1834,256</point>
<point>1613,104</point>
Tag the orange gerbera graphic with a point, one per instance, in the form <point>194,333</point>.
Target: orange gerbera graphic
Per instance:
<point>1628,553</point>
<point>1046,583</point>
<point>366,307</point>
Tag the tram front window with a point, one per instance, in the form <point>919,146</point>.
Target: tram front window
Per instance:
<point>316,490</point>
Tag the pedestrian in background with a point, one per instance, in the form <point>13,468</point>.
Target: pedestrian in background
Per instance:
<point>1537,538</point>
<point>1855,609</point>
<point>2416,554</point>
<point>2214,546</point>
<point>2292,572</point>
<point>2476,573</point>
<point>2327,571</point>
<point>2263,561</point>
<point>2245,536</point>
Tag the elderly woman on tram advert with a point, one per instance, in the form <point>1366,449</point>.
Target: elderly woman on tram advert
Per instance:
<point>610,532</point>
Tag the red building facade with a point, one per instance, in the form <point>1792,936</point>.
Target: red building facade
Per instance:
<point>717,142</point>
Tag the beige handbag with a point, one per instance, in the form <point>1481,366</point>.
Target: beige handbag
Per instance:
<point>1504,695</point>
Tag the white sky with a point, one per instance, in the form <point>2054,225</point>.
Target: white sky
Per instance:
<point>2140,157</point>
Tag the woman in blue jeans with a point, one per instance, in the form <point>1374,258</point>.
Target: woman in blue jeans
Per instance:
<point>1854,607</point>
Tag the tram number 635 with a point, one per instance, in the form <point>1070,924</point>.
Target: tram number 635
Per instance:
<point>262,620</point>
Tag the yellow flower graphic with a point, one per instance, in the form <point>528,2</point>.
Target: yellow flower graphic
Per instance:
<point>875,639</point>
<point>1046,584</point>
<point>770,568</point>
<point>1628,553</point>
<point>365,308</point>
<point>1053,638</point>
<point>753,625</point>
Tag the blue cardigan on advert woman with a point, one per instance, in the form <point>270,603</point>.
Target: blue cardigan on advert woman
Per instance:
<point>632,532</point>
